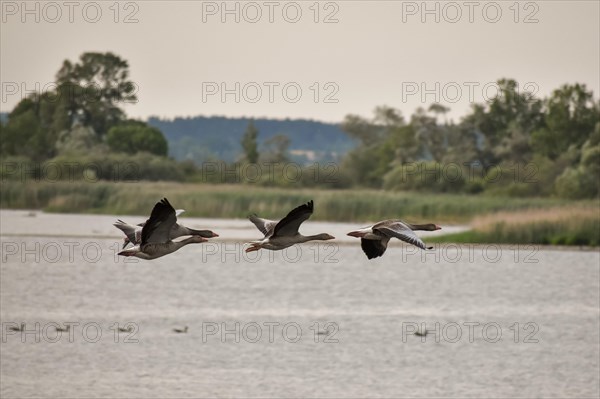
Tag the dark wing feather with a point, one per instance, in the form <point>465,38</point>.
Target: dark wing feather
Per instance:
<point>403,233</point>
<point>265,226</point>
<point>373,248</point>
<point>158,228</point>
<point>289,225</point>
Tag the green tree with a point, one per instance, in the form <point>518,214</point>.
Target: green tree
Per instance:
<point>24,135</point>
<point>431,136</point>
<point>79,140</point>
<point>88,93</point>
<point>501,122</point>
<point>276,149</point>
<point>439,109</point>
<point>583,179</point>
<point>133,137</point>
<point>385,140</point>
<point>92,89</point>
<point>569,119</point>
<point>249,144</point>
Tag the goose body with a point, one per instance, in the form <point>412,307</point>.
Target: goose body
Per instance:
<point>284,233</point>
<point>374,239</point>
<point>156,234</point>
<point>133,234</point>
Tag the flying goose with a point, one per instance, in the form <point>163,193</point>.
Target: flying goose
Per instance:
<point>133,234</point>
<point>181,331</point>
<point>330,329</point>
<point>156,234</point>
<point>374,239</point>
<point>283,234</point>
<point>128,329</point>
<point>63,329</point>
<point>420,333</point>
<point>13,328</point>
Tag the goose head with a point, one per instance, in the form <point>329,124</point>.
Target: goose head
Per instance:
<point>131,251</point>
<point>324,237</point>
<point>430,227</point>
<point>360,233</point>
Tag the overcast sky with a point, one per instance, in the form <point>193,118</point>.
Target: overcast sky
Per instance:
<point>305,59</point>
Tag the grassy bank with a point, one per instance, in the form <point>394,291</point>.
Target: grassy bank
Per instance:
<point>222,201</point>
<point>578,224</point>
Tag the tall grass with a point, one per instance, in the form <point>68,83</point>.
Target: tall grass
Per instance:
<point>231,201</point>
<point>573,225</point>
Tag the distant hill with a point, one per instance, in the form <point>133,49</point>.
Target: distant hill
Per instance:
<point>204,138</point>
<point>209,138</point>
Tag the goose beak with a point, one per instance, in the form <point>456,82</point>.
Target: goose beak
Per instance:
<point>437,227</point>
<point>215,235</point>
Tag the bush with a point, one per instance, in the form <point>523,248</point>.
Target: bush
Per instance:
<point>134,137</point>
<point>111,167</point>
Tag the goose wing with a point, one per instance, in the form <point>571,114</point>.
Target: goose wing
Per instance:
<point>401,231</point>
<point>374,248</point>
<point>158,227</point>
<point>177,213</point>
<point>289,225</point>
<point>128,229</point>
<point>264,225</point>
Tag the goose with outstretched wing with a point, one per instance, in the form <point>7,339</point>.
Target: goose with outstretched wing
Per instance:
<point>284,233</point>
<point>374,239</point>
<point>155,239</point>
<point>133,234</point>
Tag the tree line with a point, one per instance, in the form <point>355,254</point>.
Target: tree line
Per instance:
<point>514,144</point>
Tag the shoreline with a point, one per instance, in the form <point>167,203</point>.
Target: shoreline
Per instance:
<point>237,230</point>
<point>23,223</point>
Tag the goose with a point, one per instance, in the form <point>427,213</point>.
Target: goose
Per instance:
<point>181,331</point>
<point>327,331</point>
<point>133,234</point>
<point>64,329</point>
<point>155,239</point>
<point>127,330</point>
<point>13,328</point>
<point>284,233</point>
<point>420,333</point>
<point>374,239</point>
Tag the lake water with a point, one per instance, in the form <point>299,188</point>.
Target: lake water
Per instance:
<point>508,321</point>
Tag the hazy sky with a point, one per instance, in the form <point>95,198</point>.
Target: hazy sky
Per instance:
<point>279,62</point>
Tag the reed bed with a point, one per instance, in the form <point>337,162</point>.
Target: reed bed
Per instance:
<point>237,201</point>
<point>578,224</point>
